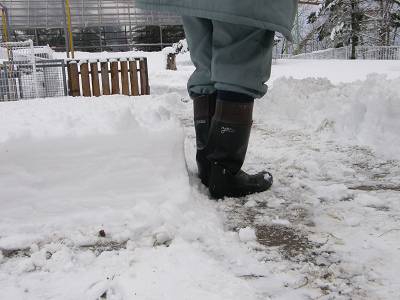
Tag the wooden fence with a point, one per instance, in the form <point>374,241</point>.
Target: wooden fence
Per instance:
<point>126,76</point>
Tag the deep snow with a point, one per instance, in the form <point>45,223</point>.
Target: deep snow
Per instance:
<point>329,228</point>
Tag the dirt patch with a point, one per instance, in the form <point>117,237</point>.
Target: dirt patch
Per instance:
<point>96,248</point>
<point>376,187</point>
<point>99,248</point>
<point>11,253</point>
<point>292,243</point>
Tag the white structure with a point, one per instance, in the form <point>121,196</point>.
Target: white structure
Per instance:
<point>28,72</point>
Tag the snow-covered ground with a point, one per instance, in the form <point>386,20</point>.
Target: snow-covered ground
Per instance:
<point>96,201</point>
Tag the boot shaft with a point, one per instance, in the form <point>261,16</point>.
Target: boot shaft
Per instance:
<point>203,111</point>
<point>204,106</point>
<point>229,134</point>
<point>237,113</point>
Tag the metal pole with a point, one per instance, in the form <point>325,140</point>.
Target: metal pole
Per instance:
<point>64,78</point>
<point>64,9</point>
<point>161,38</point>
<point>6,23</point>
<point>37,37</point>
<point>69,26</point>
<point>33,62</point>
<point>101,38</point>
<point>298,27</point>
<point>6,31</point>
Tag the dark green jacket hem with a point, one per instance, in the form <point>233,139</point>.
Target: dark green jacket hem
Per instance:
<point>223,17</point>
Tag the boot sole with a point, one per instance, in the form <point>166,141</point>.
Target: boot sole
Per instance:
<point>220,187</point>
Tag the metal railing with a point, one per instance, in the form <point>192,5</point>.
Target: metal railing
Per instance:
<point>361,52</point>
<point>30,72</point>
<point>378,53</point>
<point>24,80</point>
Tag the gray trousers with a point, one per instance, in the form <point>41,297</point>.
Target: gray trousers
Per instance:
<point>228,57</point>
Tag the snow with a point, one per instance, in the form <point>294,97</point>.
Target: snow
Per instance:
<point>336,71</point>
<point>111,164</point>
<point>283,222</point>
<point>247,234</point>
<point>96,199</point>
<point>336,30</point>
<point>363,111</point>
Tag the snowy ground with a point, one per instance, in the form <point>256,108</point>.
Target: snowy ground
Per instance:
<point>96,201</point>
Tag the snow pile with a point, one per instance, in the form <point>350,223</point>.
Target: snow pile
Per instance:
<point>95,199</point>
<point>336,70</point>
<point>50,150</point>
<point>363,112</point>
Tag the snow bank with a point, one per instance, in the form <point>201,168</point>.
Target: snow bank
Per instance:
<point>95,198</point>
<point>362,112</point>
<point>79,117</point>
<point>50,151</point>
<point>337,71</point>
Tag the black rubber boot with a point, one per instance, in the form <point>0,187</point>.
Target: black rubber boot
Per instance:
<point>204,108</point>
<point>227,145</point>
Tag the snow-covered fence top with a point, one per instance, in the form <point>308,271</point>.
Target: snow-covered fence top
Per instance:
<point>331,53</point>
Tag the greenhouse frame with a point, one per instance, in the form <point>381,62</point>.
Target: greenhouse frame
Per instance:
<point>48,14</point>
<point>105,23</point>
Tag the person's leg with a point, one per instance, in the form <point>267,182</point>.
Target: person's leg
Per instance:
<point>241,58</point>
<point>200,87</point>
<point>241,64</point>
<point>199,33</point>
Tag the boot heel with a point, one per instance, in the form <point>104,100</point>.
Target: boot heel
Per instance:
<point>217,182</point>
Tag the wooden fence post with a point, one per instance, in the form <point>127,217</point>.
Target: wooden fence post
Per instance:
<point>144,77</point>
<point>134,78</point>
<point>171,61</point>
<point>114,77</point>
<point>124,77</point>
<point>69,78</point>
<point>74,78</point>
<point>94,72</point>
<point>105,78</point>
<point>85,79</point>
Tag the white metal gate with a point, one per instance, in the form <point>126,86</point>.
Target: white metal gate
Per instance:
<point>29,72</point>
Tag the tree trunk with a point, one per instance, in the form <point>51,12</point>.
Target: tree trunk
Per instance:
<point>384,26</point>
<point>355,27</point>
